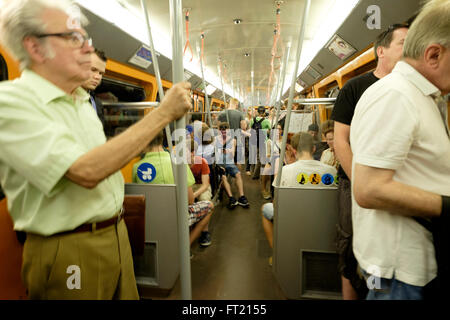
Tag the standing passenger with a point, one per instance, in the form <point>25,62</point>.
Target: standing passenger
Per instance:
<point>58,172</point>
<point>401,147</point>
<point>388,50</point>
<point>98,67</point>
<point>236,124</point>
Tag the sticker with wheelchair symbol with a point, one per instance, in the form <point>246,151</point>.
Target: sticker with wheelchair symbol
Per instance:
<point>327,179</point>
<point>314,178</point>
<point>146,172</point>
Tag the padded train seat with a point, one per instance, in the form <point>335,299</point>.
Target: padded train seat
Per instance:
<point>134,215</point>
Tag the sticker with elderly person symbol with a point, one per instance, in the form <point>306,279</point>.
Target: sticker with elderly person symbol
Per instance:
<point>146,172</point>
<point>314,178</point>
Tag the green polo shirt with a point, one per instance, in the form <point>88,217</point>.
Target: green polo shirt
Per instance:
<point>160,171</point>
<point>43,131</point>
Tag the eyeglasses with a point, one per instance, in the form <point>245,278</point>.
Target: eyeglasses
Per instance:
<point>76,39</point>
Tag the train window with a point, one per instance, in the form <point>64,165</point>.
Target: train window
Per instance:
<point>123,91</point>
<point>3,69</point>
<point>113,93</point>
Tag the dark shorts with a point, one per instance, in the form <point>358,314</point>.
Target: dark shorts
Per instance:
<point>347,264</point>
<point>230,169</point>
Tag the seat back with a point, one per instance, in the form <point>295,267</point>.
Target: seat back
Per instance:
<point>304,256</point>
<point>158,267</point>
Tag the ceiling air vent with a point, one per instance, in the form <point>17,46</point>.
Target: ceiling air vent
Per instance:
<point>313,73</point>
<point>187,75</point>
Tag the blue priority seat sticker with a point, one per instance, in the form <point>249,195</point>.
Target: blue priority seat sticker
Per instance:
<point>327,179</point>
<point>146,172</point>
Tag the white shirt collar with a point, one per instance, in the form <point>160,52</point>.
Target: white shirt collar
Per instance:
<point>417,79</point>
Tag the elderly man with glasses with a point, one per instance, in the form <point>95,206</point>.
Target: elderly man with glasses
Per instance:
<point>401,168</point>
<point>60,176</point>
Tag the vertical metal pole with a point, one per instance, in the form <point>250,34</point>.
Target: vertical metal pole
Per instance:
<point>208,108</point>
<point>224,98</point>
<point>286,59</point>
<point>253,87</point>
<point>158,76</point>
<point>291,92</point>
<point>176,18</point>
<point>278,97</point>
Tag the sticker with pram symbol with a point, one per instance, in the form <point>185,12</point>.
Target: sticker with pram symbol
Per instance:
<point>327,179</point>
<point>314,178</point>
<point>146,172</point>
<point>302,178</point>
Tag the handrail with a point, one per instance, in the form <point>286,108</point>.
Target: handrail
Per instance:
<point>157,73</point>
<point>176,20</point>
<point>140,105</point>
<point>315,101</point>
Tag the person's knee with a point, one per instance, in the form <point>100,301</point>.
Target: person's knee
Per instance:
<point>267,211</point>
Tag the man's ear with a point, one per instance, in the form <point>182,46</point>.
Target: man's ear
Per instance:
<point>433,54</point>
<point>380,51</point>
<point>35,49</point>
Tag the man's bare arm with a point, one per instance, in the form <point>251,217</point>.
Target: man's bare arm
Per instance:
<point>375,188</point>
<point>102,161</point>
<point>342,147</point>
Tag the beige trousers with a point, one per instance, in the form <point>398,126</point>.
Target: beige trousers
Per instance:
<point>94,265</point>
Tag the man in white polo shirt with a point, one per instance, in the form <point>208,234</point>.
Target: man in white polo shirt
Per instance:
<point>401,163</point>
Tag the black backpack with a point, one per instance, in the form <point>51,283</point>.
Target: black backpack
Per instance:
<point>257,126</point>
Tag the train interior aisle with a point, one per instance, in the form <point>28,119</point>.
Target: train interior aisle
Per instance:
<point>236,265</point>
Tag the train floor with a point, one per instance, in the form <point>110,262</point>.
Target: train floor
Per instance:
<point>236,265</point>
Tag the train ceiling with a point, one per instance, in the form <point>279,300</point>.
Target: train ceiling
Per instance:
<point>240,40</point>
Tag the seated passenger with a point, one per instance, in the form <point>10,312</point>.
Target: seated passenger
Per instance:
<point>303,173</point>
<point>161,173</point>
<point>329,156</point>
<point>224,152</point>
<point>313,130</point>
<point>200,170</point>
<point>206,146</point>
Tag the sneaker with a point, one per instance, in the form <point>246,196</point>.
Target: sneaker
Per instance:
<point>205,239</point>
<point>233,203</point>
<point>243,202</point>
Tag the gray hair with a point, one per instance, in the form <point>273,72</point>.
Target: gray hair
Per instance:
<point>22,18</point>
<point>432,25</point>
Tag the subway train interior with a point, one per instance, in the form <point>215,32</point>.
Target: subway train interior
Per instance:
<point>279,54</point>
